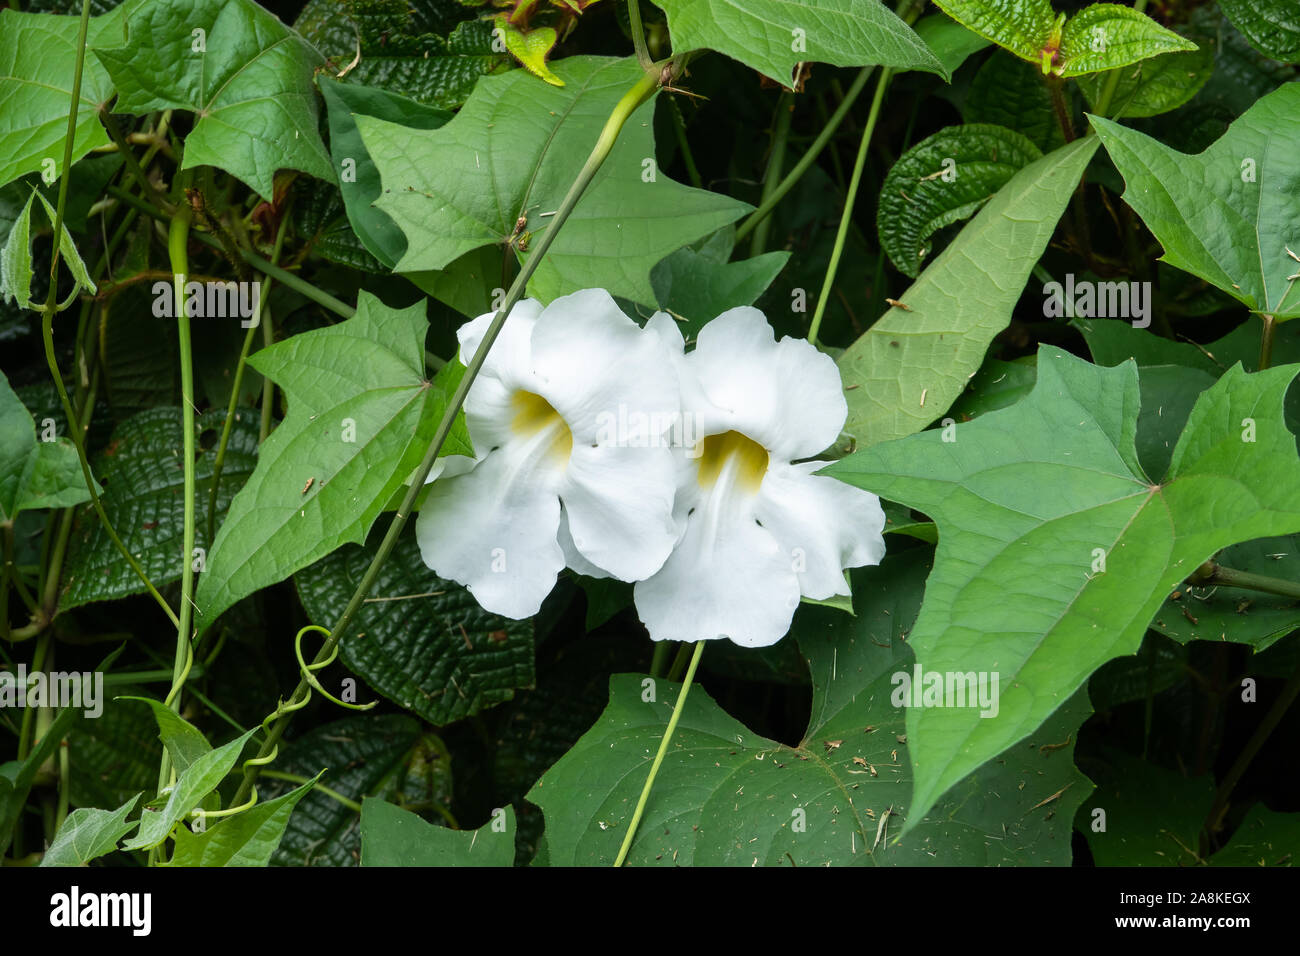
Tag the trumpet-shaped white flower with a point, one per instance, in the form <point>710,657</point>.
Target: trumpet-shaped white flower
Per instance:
<point>758,529</point>
<point>552,473</point>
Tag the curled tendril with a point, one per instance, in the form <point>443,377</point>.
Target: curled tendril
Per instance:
<point>185,672</point>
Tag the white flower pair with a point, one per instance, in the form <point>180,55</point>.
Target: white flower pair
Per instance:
<point>610,449</point>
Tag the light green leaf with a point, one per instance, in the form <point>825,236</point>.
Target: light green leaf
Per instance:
<point>16,259</point>
<point>911,365</point>
<point>245,75</point>
<point>38,54</point>
<point>361,416</point>
<point>513,152</point>
<point>183,740</point>
<point>1106,36</point>
<point>1153,815</point>
<point>1023,27</point>
<point>948,40</point>
<point>1271,26</point>
<point>33,474</point>
<point>772,36</point>
<point>1046,587</point>
<point>361,186</point>
<point>249,838</point>
<point>727,796</point>
<point>391,836</point>
<point>143,478</point>
<point>1226,214</point>
<point>200,779</point>
<point>422,642</point>
<point>88,834</point>
<point>942,179</point>
<point>1153,86</point>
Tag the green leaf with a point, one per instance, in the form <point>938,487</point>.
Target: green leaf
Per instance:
<point>143,477</point>
<point>391,836</point>
<point>88,834</point>
<point>513,152</point>
<point>1007,91</point>
<point>1102,36</point>
<point>16,778</point>
<point>16,259</point>
<point>183,740</point>
<point>249,838</point>
<point>364,755</point>
<point>115,756</point>
<point>942,179</point>
<point>1265,838</point>
<point>247,78</point>
<point>531,48</point>
<point>727,796</point>
<point>422,642</point>
<point>996,385</point>
<point>33,474</point>
<point>911,365</point>
<point>200,779</point>
<point>1152,816</point>
<point>1226,214</point>
<point>38,54</point>
<point>773,36</point>
<point>699,288</point>
<point>1153,86</point>
<point>1270,26</point>
<point>948,40</point>
<point>361,416</point>
<point>359,179</point>
<point>1018,587</point>
<point>1106,36</point>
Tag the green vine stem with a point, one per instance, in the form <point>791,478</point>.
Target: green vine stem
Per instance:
<point>809,156</point>
<point>1112,81</point>
<point>637,29</point>
<point>47,326</point>
<point>775,163</point>
<point>1266,343</point>
<point>1210,573</point>
<point>882,84</point>
<point>678,707</point>
<point>640,92</point>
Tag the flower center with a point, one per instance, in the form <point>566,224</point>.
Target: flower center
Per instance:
<point>536,420</point>
<point>734,459</point>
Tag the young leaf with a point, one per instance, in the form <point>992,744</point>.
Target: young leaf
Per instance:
<point>1226,214</point>
<point>33,474</point>
<point>88,834</point>
<point>16,259</point>
<point>391,836</point>
<point>773,36</point>
<point>249,838</point>
<point>1023,27</point>
<point>1106,36</point>
<point>200,779</point>
<point>244,74</point>
<point>183,740</point>
<point>361,416</point>
<point>143,498</point>
<point>38,55</point>
<point>910,366</point>
<point>422,642</point>
<point>1271,26</point>
<point>727,796</point>
<point>942,179</point>
<point>1046,587</point>
<point>512,153</point>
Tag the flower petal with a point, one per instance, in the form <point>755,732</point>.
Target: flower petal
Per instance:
<point>727,578</point>
<point>598,368</point>
<point>618,502</point>
<point>785,395</point>
<point>494,530</point>
<point>822,524</point>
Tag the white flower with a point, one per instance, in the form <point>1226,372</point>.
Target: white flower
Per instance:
<point>551,475</point>
<point>757,529</point>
